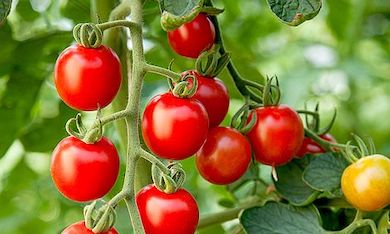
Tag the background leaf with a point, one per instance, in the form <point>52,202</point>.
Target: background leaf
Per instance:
<point>5,7</point>
<point>290,183</point>
<point>324,171</point>
<point>295,12</point>
<point>281,218</point>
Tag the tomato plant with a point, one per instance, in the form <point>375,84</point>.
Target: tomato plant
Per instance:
<point>173,127</point>
<point>84,172</point>
<point>277,135</point>
<point>366,183</point>
<point>167,213</point>
<point>309,146</point>
<point>79,228</point>
<point>224,157</point>
<point>192,38</point>
<point>214,96</point>
<point>86,78</point>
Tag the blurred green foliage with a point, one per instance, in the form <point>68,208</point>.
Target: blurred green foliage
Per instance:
<point>341,58</point>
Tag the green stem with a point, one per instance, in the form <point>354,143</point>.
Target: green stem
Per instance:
<point>238,80</point>
<point>357,223</point>
<point>175,77</point>
<point>226,215</point>
<point>151,158</point>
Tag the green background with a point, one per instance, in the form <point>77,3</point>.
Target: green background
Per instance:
<point>341,58</point>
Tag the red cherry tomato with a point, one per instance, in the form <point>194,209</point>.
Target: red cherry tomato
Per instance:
<point>309,146</point>
<point>163,213</point>
<point>80,228</point>
<point>87,78</point>
<point>224,157</point>
<point>174,128</point>
<point>194,37</point>
<point>84,172</point>
<point>214,96</point>
<point>277,135</point>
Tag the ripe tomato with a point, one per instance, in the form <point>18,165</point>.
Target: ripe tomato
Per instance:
<point>277,135</point>
<point>80,228</point>
<point>214,96</point>
<point>174,128</point>
<point>87,78</point>
<point>163,213</point>
<point>84,172</point>
<point>309,146</point>
<point>193,38</point>
<point>366,183</point>
<point>224,157</point>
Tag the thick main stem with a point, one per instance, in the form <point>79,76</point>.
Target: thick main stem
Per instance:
<point>133,106</point>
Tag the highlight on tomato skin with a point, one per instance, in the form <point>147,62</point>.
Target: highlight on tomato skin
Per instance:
<point>174,128</point>
<point>163,213</point>
<point>277,134</point>
<point>84,172</point>
<point>80,228</point>
<point>224,157</point>
<point>192,38</point>
<point>87,78</point>
<point>366,183</point>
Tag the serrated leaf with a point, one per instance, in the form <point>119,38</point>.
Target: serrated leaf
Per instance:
<point>291,185</point>
<point>177,12</point>
<point>51,130</point>
<point>324,172</point>
<point>5,8</point>
<point>281,218</point>
<point>295,12</point>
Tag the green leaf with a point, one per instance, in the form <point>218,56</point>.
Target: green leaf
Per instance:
<point>177,12</point>
<point>7,48</point>
<point>15,106</point>
<point>25,10</point>
<point>337,20</point>
<point>29,64</point>
<point>77,10</point>
<point>324,172</point>
<point>51,130</point>
<point>295,12</point>
<point>291,185</point>
<point>281,218</point>
<point>5,8</point>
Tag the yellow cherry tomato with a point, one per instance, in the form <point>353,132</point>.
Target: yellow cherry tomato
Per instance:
<point>366,183</point>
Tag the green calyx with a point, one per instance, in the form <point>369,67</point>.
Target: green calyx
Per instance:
<point>101,219</point>
<point>186,87</point>
<point>89,136</point>
<point>210,63</point>
<point>169,183</point>
<point>242,120</point>
<point>271,92</point>
<point>88,35</point>
<point>313,123</point>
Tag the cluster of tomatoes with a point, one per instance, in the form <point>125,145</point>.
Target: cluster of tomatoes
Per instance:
<point>173,128</point>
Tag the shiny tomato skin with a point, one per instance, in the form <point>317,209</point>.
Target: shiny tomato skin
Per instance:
<point>366,183</point>
<point>84,172</point>
<point>309,146</point>
<point>174,128</point>
<point>192,38</point>
<point>163,213</point>
<point>224,157</point>
<point>213,95</point>
<point>80,228</point>
<point>86,78</point>
<point>277,135</point>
